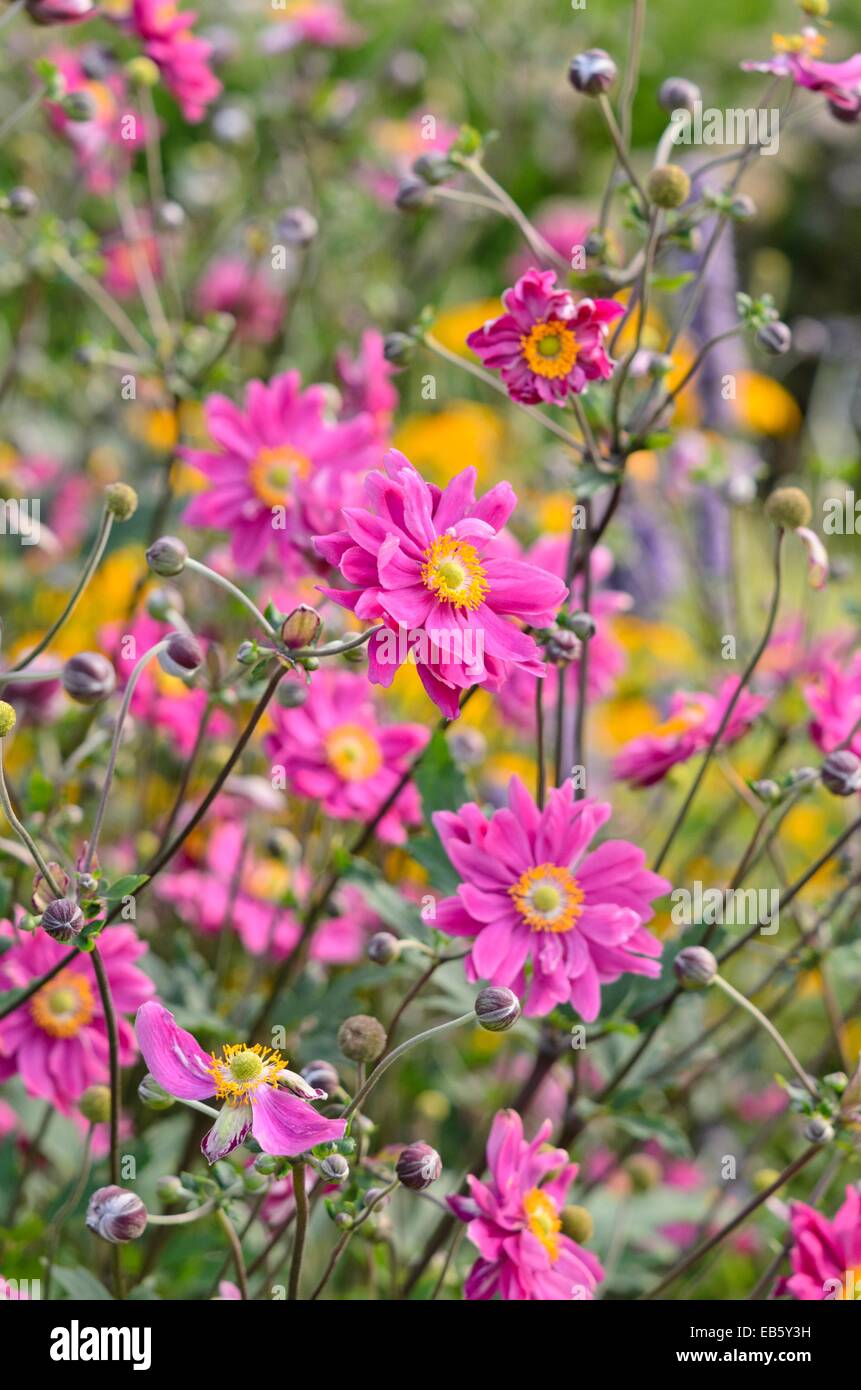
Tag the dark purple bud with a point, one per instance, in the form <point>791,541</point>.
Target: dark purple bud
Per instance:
<point>62,919</point>
<point>335,1168</point>
<point>321,1076</point>
<point>592,72</point>
<point>182,656</point>
<point>841,773</point>
<point>398,349</point>
<point>775,338</point>
<point>88,678</point>
<point>22,201</point>
<point>412,194</point>
<point>497,1008</point>
<point>418,1166</point>
<point>678,94</point>
<point>383,948</point>
<point>695,967</point>
<point>116,1214</point>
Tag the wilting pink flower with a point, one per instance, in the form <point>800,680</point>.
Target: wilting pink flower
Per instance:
<point>692,722</point>
<point>334,751</point>
<point>281,472</point>
<point>565,226</point>
<point>514,1221</point>
<point>260,1094</point>
<point>798,57</point>
<point>321,22</point>
<point>105,144</point>
<point>606,654</point>
<point>425,567</point>
<point>182,59</point>
<point>826,1255</point>
<point>532,892</point>
<point>548,345</point>
<point>58,1041</point>
<point>230,285</point>
<point>366,384</point>
<point>835,700</point>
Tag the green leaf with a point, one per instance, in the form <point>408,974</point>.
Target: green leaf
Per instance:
<point>670,283</point>
<point>125,887</point>
<point>40,792</point>
<point>82,1286</point>
<point>440,781</point>
<point>427,850</point>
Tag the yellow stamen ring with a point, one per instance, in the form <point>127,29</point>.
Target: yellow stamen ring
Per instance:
<point>548,898</point>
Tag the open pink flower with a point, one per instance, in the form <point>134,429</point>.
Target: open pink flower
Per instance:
<point>693,719</point>
<point>281,472</point>
<point>834,698</point>
<point>606,655</point>
<point>230,285</point>
<point>58,1042</point>
<point>182,58</point>
<point>548,345</point>
<point>425,566</point>
<point>533,892</point>
<point>514,1221</point>
<point>826,1255</point>
<point>334,751</point>
<point>260,1095</point>
<point>798,57</point>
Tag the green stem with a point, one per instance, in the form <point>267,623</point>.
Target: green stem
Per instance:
<point>22,832</point>
<point>236,1248</point>
<point>231,588</point>
<point>738,998</point>
<point>384,1064</point>
<point>347,1237</point>
<point>300,1197</point>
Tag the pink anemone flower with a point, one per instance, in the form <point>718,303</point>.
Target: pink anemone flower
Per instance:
<point>797,57</point>
<point>58,1041</point>
<point>533,891</point>
<point>105,143</point>
<point>425,567</point>
<point>693,720</point>
<point>333,750</point>
<point>826,1255</point>
<point>182,58</point>
<point>230,285</point>
<point>547,345</point>
<point>260,1095</point>
<point>834,697</point>
<point>320,22</point>
<point>366,385</point>
<point>515,1222</point>
<point>281,471</point>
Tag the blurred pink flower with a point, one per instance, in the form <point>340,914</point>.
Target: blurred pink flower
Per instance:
<point>693,720</point>
<point>366,385</point>
<point>797,57</point>
<point>564,225</point>
<point>418,555</point>
<point>334,751</point>
<point>182,58</point>
<point>321,22</point>
<point>547,345</point>
<point>826,1255</point>
<point>58,1043</point>
<point>834,697</point>
<point>120,277</point>
<point>532,892</point>
<point>230,285</point>
<point>281,472</point>
<point>514,1221</point>
<point>105,144</point>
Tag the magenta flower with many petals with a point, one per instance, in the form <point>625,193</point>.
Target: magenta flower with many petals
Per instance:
<point>229,285</point>
<point>548,345</point>
<point>514,1220</point>
<point>260,1095</point>
<point>425,565</point>
<point>533,892</point>
<point>834,698</point>
<point>281,472</point>
<point>826,1255</point>
<point>182,58</point>
<point>334,751</point>
<point>692,722</point>
<point>58,1043</point>
<point>797,57</point>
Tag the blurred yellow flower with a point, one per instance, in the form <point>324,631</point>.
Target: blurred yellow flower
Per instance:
<point>453,326</point>
<point>766,407</point>
<point>462,435</point>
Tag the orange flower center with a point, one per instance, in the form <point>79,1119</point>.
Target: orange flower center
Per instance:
<point>681,723</point>
<point>273,472</point>
<point>550,348</point>
<point>63,1006</point>
<point>453,571</point>
<point>542,1218</point>
<point>353,752</point>
<point>809,43</point>
<point>241,1070</point>
<point>548,898</point>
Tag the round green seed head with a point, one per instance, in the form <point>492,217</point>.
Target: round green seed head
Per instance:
<point>95,1105</point>
<point>668,186</point>
<point>121,501</point>
<point>577,1224</point>
<point>7,719</point>
<point>788,507</point>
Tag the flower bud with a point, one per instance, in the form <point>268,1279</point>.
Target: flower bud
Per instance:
<point>335,1168</point>
<point>167,556</point>
<point>418,1166</point>
<point>164,603</point>
<point>562,646</point>
<point>153,1095</point>
<point>374,1197</point>
<point>668,186</point>
<point>297,227</point>
<point>398,349</point>
<point>170,216</point>
<point>292,693</point>
<point>63,920</point>
<point>678,94</point>
<point>788,507</point>
<point>79,105</point>
<point>301,628</point>
<point>695,967</point>
<point>383,948</point>
<point>497,1008</point>
<point>116,1215</point>
<point>7,719</point>
<point>89,678</point>
<point>121,501</point>
<point>22,201</point>
<point>577,1224</point>
<point>59,11</point>
<point>595,245</point>
<point>143,71</point>
<point>644,1172</point>
<point>362,1038</point>
<point>592,72</point>
<point>321,1076</point>
<point>170,1189</point>
<point>182,656</point>
<point>767,790</point>
<point>412,194</point>
<point>841,773</point>
<point>775,338</point>
<point>742,208</point>
<point>582,625</point>
<point>818,1130</point>
<point>837,1080</point>
<point>433,168</point>
<point>95,1104</point>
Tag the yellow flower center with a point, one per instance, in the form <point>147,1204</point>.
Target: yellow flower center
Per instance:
<point>810,43</point>
<point>453,571</point>
<point>273,472</point>
<point>64,1006</point>
<point>542,1218</point>
<point>353,753</point>
<point>241,1070</point>
<point>548,898</point>
<point>550,348</point>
